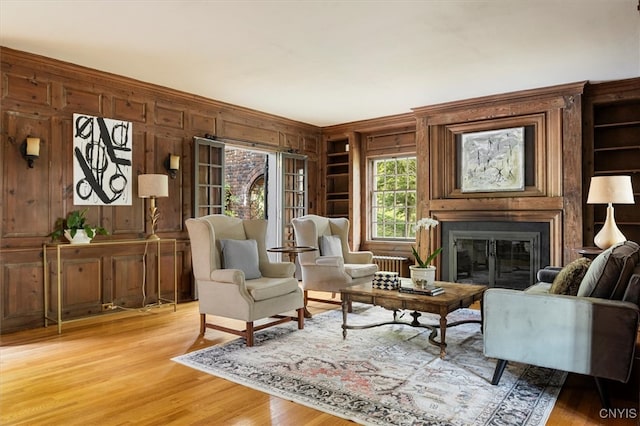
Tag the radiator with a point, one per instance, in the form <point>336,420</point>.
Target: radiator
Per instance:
<point>392,264</point>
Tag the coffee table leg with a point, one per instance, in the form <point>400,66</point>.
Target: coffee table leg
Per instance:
<point>345,311</point>
<point>443,333</point>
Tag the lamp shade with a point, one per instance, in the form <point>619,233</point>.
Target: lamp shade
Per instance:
<point>153,186</point>
<point>610,189</point>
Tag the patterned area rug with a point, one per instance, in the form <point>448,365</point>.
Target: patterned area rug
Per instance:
<point>389,375</point>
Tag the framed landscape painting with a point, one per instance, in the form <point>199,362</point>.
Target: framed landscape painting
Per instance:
<point>492,161</point>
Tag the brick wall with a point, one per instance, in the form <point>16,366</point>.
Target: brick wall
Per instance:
<point>242,169</point>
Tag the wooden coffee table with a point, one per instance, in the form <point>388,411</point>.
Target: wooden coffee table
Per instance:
<point>455,296</point>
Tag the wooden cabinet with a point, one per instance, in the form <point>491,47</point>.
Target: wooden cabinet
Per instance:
<point>338,178</point>
<point>612,147</point>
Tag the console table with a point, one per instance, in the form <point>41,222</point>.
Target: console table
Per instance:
<point>61,247</point>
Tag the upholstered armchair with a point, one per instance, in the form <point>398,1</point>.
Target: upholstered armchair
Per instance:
<point>333,266</point>
<point>235,278</point>
<point>588,326</point>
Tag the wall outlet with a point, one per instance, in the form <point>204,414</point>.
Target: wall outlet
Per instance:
<point>107,307</point>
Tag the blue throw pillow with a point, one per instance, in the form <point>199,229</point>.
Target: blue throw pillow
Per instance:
<point>243,255</point>
<point>330,245</point>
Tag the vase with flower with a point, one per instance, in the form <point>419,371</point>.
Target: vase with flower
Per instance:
<point>423,274</point>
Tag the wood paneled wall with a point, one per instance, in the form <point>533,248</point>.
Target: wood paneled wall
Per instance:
<point>38,98</point>
<point>430,132</point>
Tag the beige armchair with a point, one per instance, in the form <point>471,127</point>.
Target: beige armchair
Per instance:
<point>235,278</point>
<point>333,266</point>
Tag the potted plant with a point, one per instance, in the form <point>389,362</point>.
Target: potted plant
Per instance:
<point>423,273</point>
<point>75,228</point>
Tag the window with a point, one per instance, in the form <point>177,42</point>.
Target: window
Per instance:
<point>393,198</point>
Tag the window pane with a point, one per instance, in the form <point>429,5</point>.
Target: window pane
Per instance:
<point>393,201</point>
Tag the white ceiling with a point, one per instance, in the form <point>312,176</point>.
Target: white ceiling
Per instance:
<point>332,62</point>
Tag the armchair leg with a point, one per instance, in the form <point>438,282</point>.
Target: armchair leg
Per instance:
<point>497,374</point>
<point>300,318</point>
<point>602,391</point>
<point>249,334</point>
<point>203,321</point>
<point>307,314</point>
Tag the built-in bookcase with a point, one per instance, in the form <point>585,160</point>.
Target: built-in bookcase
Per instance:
<point>612,147</point>
<point>338,194</point>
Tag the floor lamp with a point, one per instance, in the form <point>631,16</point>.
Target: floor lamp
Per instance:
<point>610,190</point>
<point>152,187</point>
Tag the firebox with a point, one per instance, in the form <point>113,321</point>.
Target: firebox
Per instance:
<point>497,254</point>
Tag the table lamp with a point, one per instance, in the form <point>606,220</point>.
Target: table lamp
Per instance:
<point>610,190</point>
<point>153,186</point>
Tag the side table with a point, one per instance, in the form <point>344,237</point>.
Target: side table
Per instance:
<point>589,252</point>
<point>292,251</point>
<point>59,248</point>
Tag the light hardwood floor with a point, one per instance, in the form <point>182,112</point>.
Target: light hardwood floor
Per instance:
<point>116,370</point>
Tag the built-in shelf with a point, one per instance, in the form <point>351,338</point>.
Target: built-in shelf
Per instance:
<point>337,197</point>
<point>615,150</point>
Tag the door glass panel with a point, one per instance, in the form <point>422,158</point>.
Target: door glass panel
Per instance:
<point>294,177</point>
<point>208,177</point>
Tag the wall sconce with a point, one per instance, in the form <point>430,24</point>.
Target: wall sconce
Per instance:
<point>610,190</point>
<point>152,187</point>
<point>172,164</point>
<point>30,150</point>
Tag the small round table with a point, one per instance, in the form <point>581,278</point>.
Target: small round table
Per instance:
<point>292,250</point>
<point>589,252</point>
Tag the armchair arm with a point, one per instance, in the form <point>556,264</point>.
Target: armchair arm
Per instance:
<point>358,257</point>
<point>578,334</point>
<point>278,269</point>
<point>333,261</point>
<point>232,276</point>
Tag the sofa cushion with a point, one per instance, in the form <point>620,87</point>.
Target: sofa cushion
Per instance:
<point>609,273</point>
<point>243,255</point>
<point>330,245</point>
<point>569,278</point>
<point>539,288</point>
<point>632,293</point>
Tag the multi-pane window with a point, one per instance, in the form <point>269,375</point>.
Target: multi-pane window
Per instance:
<point>393,198</point>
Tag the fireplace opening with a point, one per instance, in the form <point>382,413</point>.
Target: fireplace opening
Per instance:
<point>497,254</point>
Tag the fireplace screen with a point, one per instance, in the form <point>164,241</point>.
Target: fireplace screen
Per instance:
<point>496,259</point>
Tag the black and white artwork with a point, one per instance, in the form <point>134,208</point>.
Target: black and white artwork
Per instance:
<point>492,161</point>
<point>102,154</point>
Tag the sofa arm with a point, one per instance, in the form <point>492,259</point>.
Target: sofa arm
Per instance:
<point>577,334</point>
<point>548,274</point>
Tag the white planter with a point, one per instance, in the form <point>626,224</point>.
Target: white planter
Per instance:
<point>422,277</point>
<point>80,237</point>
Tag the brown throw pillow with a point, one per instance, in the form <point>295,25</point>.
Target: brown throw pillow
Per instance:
<point>569,278</point>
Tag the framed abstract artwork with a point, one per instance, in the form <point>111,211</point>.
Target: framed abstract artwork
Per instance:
<point>102,154</point>
<point>493,161</point>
